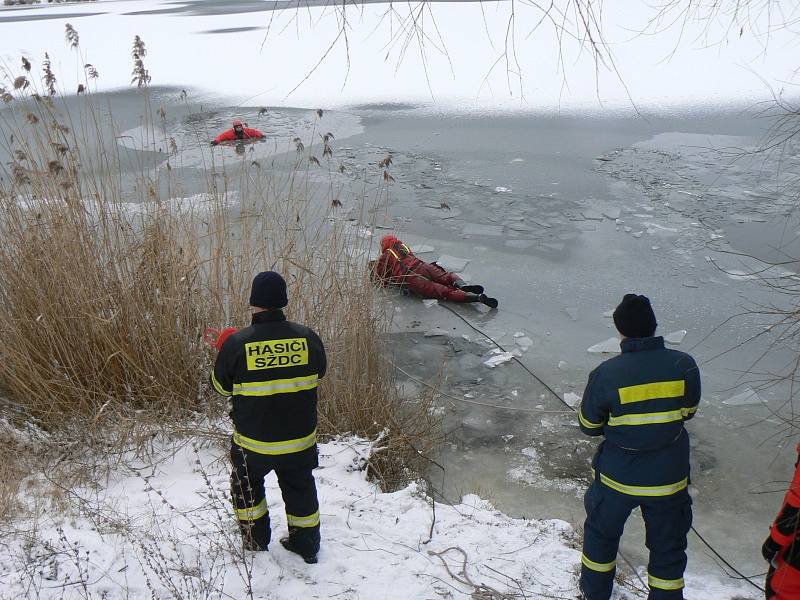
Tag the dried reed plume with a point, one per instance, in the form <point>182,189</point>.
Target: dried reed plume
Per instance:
<point>71,36</point>
<point>141,76</point>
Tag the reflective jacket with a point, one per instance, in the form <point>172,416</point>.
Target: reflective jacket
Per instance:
<point>639,401</point>
<point>272,370</point>
<point>248,133</point>
<point>784,538</point>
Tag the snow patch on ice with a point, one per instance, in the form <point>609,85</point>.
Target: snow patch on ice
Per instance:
<point>676,337</point>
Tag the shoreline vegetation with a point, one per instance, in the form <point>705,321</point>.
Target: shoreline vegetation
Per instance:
<point>108,282</point>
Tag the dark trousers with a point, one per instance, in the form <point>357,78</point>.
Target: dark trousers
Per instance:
<point>298,489</point>
<point>667,520</point>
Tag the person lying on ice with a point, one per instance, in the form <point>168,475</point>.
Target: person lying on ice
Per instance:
<point>238,132</point>
<point>782,548</point>
<point>398,266</point>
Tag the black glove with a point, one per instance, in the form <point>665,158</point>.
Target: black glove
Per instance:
<point>490,302</point>
<point>770,550</point>
<point>214,142</point>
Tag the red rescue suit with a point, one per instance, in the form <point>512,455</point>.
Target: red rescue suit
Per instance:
<point>782,548</point>
<point>397,265</point>
<point>248,133</point>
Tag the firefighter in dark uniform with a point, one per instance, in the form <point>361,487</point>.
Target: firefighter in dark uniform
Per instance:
<point>272,370</point>
<point>639,401</point>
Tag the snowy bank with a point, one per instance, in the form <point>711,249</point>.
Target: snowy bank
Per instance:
<point>163,528</point>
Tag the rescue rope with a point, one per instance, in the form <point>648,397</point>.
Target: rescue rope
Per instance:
<point>552,391</point>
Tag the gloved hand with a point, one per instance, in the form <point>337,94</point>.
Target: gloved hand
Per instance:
<point>770,550</point>
<point>216,338</point>
<point>214,142</point>
<point>490,302</point>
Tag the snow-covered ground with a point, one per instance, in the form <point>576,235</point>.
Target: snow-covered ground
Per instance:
<point>470,58</point>
<point>163,528</point>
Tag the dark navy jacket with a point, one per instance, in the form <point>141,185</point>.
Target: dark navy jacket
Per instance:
<point>639,401</point>
<point>272,370</point>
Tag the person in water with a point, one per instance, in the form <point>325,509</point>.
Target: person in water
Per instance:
<point>238,132</point>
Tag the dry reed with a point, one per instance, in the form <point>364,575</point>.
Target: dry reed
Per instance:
<point>106,288</point>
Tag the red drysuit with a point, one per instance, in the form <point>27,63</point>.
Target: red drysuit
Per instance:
<point>248,133</point>
<point>397,265</point>
<point>782,548</point>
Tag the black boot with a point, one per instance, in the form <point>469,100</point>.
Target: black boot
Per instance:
<point>490,302</point>
<point>472,289</point>
<point>306,553</point>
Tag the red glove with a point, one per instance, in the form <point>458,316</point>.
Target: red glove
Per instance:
<point>216,338</point>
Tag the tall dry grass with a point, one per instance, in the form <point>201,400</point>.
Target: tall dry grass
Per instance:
<point>107,284</point>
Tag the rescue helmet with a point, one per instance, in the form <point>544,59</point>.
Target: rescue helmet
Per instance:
<point>388,241</point>
<point>237,123</point>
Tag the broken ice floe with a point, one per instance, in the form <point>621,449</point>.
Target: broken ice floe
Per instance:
<point>609,346</point>
<point>480,229</point>
<point>572,399</point>
<point>429,302</point>
<point>499,358</point>
<point>436,332</point>
<point>676,337</point>
<point>562,365</point>
<point>519,334</point>
<point>501,189</point>
<point>452,263</point>
<point>748,397</point>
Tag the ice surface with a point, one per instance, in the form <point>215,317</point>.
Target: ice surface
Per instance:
<point>612,213</point>
<point>519,334</point>
<point>480,229</point>
<point>422,249</point>
<point>429,302</point>
<point>609,314</point>
<point>609,346</point>
<point>747,397</point>
<point>524,342</point>
<point>572,399</point>
<point>452,263</point>
<point>592,214</point>
<point>676,337</point>
<point>572,312</point>
<point>499,359</point>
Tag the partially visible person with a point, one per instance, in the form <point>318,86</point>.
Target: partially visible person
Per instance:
<point>782,548</point>
<point>639,401</point>
<point>238,132</point>
<point>272,369</point>
<point>398,266</point>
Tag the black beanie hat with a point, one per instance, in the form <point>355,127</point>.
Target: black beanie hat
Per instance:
<point>268,291</point>
<point>634,317</point>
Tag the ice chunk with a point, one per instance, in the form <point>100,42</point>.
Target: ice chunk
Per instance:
<point>628,229</point>
<point>612,213</point>
<point>638,234</point>
<point>562,365</point>
<point>747,397</point>
<point>518,160</point>
<point>592,215</point>
<point>572,399</point>
<point>676,337</point>
<point>364,233</point>
<point>609,313</point>
<point>435,332</point>
<point>428,302</point>
<point>609,346</point>
<point>452,263</point>
<point>519,334</point>
<point>499,359</point>
<point>501,189</point>
<point>524,342</point>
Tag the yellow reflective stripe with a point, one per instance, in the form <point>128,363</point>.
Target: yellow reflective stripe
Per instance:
<point>275,448</point>
<point>218,386</point>
<point>665,584</point>
<point>309,521</point>
<point>393,253</point>
<point>276,386</point>
<point>652,391</point>
<point>586,422</point>
<point>644,490</point>
<point>651,418</point>
<point>406,248</point>
<point>596,566</point>
<point>252,513</point>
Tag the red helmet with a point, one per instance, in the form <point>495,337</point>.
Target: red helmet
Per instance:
<point>388,241</point>
<point>237,123</point>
